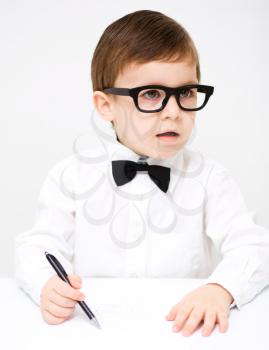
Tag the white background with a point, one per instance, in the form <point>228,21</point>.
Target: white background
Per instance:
<point>45,92</point>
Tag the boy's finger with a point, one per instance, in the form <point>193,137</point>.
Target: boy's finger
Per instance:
<point>181,317</point>
<point>223,322</point>
<point>59,311</point>
<point>62,301</point>
<point>209,323</point>
<point>75,280</point>
<point>193,321</point>
<point>50,319</point>
<point>172,313</point>
<point>67,291</point>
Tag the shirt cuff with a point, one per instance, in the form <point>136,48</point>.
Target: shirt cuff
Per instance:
<point>33,287</point>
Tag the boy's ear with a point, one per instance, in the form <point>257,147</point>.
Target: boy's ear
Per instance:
<point>103,104</point>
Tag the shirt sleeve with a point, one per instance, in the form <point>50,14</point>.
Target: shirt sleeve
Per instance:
<point>242,244</point>
<point>52,231</point>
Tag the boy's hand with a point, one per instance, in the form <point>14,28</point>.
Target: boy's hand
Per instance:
<point>209,303</point>
<point>58,298</point>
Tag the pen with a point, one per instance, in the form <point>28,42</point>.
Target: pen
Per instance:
<point>63,275</point>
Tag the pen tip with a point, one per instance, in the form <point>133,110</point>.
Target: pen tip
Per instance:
<point>95,323</point>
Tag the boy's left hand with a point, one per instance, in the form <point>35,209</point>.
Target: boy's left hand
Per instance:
<point>209,303</point>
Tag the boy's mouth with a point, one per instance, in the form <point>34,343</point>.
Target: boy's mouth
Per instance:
<point>168,133</point>
<point>168,136</point>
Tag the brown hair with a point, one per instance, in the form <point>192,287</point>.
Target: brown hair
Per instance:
<point>140,37</point>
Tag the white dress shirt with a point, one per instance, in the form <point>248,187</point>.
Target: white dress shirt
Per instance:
<point>199,228</point>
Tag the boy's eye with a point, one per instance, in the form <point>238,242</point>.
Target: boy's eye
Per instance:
<point>150,94</point>
<point>186,93</point>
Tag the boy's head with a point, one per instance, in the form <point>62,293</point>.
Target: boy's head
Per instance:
<point>146,48</point>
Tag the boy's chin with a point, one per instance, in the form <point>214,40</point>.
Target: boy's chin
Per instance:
<point>162,155</point>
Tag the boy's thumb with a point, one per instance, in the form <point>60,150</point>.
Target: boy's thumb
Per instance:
<point>75,280</point>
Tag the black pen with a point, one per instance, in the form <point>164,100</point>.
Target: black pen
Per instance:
<point>63,275</point>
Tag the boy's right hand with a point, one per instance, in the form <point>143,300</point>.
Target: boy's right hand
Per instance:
<point>58,298</point>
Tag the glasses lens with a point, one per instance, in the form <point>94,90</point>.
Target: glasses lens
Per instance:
<point>150,99</point>
<point>191,98</point>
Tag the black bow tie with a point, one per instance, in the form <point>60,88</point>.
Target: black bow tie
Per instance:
<point>125,170</point>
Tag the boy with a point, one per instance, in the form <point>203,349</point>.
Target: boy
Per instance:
<point>146,206</point>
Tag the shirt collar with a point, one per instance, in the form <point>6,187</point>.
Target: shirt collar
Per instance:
<point>118,151</point>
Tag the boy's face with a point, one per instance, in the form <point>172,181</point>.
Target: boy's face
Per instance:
<point>138,130</point>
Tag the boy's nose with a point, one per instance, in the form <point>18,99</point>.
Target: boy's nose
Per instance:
<point>172,109</point>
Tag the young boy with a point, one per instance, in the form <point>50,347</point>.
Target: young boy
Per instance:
<point>147,206</point>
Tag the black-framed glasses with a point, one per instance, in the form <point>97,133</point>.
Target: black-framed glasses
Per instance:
<point>153,98</point>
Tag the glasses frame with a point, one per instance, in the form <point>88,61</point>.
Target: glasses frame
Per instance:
<point>169,91</point>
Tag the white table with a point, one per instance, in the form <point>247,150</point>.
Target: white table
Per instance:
<point>132,315</point>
